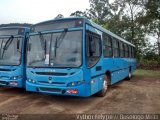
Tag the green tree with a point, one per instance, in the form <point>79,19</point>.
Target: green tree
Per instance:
<point>99,11</point>
<point>151,20</point>
<point>59,16</point>
<point>79,14</point>
<point>124,18</point>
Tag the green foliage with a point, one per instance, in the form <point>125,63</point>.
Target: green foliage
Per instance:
<point>150,61</point>
<point>79,14</point>
<point>131,19</point>
<point>151,20</point>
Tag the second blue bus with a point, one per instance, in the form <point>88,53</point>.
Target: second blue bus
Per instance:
<point>12,56</point>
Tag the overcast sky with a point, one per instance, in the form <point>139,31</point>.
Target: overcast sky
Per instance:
<point>33,11</point>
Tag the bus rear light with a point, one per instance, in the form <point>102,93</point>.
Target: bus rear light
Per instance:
<point>13,83</point>
<point>72,91</point>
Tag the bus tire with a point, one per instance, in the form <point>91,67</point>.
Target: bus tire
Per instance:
<point>129,76</point>
<point>106,83</point>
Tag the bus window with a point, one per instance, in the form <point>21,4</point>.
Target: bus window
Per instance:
<point>93,47</point>
<point>115,48</point>
<point>127,50</point>
<point>121,49</point>
<point>107,46</point>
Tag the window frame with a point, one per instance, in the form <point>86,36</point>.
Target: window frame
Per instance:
<point>86,47</point>
<point>116,42</point>
<point>107,46</point>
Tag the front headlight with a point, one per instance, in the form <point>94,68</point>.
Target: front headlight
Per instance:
<point>31,80</point>
<point>16,77</point>
<point>75,83</point>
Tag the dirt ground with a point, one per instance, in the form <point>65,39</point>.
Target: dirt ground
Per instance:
<point>137,96</point>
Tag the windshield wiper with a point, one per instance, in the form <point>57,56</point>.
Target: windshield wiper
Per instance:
<point>43,42</point>
<point>59,40</point>
<point>7,44</point>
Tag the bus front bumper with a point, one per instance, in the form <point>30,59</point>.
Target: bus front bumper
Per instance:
<point>56,90</point>
<point>12,83</point>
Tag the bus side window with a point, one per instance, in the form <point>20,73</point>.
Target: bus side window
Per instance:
<point>121,49</point>
<point>115,48</point>
<point>93,48</point>
<point>127,50</point>
<point>107,41</point>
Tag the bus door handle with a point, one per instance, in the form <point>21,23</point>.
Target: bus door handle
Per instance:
<point>98,68</point>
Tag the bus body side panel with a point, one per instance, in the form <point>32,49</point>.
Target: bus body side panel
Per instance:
<point>97,71</point>
<point>118,67</point>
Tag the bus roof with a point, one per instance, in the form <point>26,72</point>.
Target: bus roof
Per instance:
<point>92,24</point>
<point>14,27</point>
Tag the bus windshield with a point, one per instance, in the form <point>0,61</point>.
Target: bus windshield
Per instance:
<point>10,50</point>
<point>62,49</point>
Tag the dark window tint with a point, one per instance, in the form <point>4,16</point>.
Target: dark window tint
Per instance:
<point>107,50</point>
<point>93,48</point>
<point>125,50</point>
<point>121,49</point>
<point>115,48</point>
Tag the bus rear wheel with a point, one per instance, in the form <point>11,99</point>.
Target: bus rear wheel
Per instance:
<point>104,90</point>
<point>129,76</point>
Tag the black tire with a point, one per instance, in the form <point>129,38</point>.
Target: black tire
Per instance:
<point>106,83</point>
<point>129,76</point>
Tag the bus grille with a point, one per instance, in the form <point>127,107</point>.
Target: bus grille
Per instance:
<point>3,83</point>
<point>50,89</point>
<point>52,83</point>
<point>51,73</point>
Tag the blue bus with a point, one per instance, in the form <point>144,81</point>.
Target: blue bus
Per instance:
<point>12,56</point>
<point>75,56</point>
